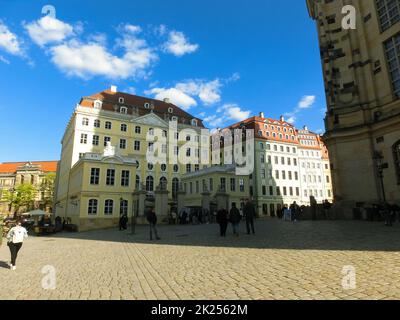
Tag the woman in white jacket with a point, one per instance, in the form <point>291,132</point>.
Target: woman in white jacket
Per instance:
<point>15,238</point>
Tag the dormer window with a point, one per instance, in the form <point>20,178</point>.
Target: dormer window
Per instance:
<point>147,105</point>
<point>98,104</point>
<point>121,100</point>
<point>194,122</point>
<point>123,110</point>
<point>174,118</point>
<point>170,110</point>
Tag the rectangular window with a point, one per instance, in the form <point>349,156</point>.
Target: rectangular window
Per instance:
<point>110,177</point>
<point>106,140</point>
<point>271,190</point>
<point>296,176</point>
<point>284,191</point>
<point>108,125</point>
<point>263,173</point>
<point>264,190</point>
<point>297,191</point>
<point>223,184</point>
<point>392,48</point>
<point>276,160</point>
<point>138,129</point>
<point>85,121</point>
<point>97,123</point>
<point>188,168</point>
<point>211,184</point>
<point>108,207</point>
<point>94,176</point>
<point>290,175</point>
<point>92,207</point>
<point>283,175</point>
<point>124,127</point>
<point>233,184</point>
<point>137,146</point>
<point>295,162</point>
<point>196,167</point>
<point>282,160</point>
<point>95,140</point>
<point>125,178</point>
<point>241,185</point>
<point>278,191</point>
<point>276,174</point>
<point>291,191</point>
<point>151,147</point>
<point>83,138</point>
<point>122,143</point>
<point>327,179</point>
<point>388,13</point>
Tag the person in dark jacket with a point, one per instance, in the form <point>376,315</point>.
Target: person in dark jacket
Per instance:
<point>123,220</point>
<point>250,214</point>
<point>222,220</point>
<point>234,218</point>
<point>152,219</point>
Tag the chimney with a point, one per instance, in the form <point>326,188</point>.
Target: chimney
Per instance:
<point>262,115</point>
<point>282,118</point>
<point>113,88</point>
<point>166,100</point>
<point>305,128</point>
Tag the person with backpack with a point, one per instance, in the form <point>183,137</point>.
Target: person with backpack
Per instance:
<point>234,218</point>
<point>15,239</point>
<point>152,219</point>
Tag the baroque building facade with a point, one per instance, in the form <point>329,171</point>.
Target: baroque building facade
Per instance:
<point>361,69</point>
<point>13,174</point>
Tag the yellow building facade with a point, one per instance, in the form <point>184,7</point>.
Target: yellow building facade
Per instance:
<point>361,69</point>
<point>136,129</point>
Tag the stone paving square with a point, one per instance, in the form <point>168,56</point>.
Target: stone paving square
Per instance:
<point>283,260</point>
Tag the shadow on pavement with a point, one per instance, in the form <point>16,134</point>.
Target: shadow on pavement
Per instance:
<point>270,234</point>
<point>4,265</point>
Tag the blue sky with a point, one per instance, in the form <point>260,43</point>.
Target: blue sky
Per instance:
<point>220,60</point>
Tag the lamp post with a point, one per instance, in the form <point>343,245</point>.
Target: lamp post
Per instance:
<point>380,166</point>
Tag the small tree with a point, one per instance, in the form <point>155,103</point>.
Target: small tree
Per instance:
<point>22,196</point>
<point>47,189</point>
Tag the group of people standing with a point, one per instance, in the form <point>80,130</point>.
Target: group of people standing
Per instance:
<point>291,213</point>
<point>234,217</point>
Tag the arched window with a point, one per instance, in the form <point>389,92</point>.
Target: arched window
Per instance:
<point>137,182</point>
<point>123,207</point>
<point>163,183</point>
<point>108,207</point>
<point>175,187</point>
<point>396,155</point>
<point>92,207</point>
<point>149,183</point>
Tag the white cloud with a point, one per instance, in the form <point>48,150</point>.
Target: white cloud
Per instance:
<point>176,97</point>
<point>307,102</point>
<point>234,112</point>
<point>226,113</point>
<point>48,30</point>
<point>9,41</point>
<point>291,120</point>
<point>4,60</point>
<point>132,28</point>
<point>90,59</point>
<point>131,90</point>
<point>178,45</point>
<point>233,78</point>
<point>208,92</point>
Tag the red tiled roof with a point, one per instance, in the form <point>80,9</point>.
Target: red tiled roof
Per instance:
<point>12,167</point>
<point>110,99</point>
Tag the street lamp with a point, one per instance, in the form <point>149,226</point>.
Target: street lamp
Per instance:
<point>380,166</point>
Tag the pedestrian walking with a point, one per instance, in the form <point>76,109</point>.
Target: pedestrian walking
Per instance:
<point>15,239</point>
<point>123,221</point>
<point>327,208</point>
<point>294,211</point>
<point>234,218</point>
<point>152,219</point>
<point>249,213</point>
<point>222,220</point>
<point>287,213</point>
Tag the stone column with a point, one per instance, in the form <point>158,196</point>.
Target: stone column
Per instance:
<point>161,202</point>
<point>222,199</point>
<point>205,200</point>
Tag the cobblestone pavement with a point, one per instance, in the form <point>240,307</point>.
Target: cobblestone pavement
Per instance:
<point>282,261</point>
